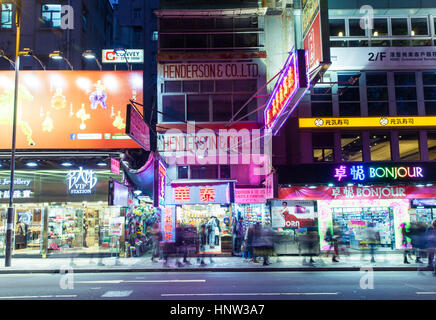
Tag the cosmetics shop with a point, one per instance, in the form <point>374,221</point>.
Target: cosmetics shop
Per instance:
<point>64,211</point>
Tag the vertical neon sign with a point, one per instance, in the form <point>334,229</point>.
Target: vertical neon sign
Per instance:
<point>161,184</point>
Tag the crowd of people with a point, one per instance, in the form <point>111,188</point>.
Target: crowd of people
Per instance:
<point>255,242</point>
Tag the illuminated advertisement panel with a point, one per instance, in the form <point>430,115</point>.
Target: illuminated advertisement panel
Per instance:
<point>288,91</point>
<point>69,109</point>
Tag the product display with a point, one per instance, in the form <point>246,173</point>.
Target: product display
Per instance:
<point>138,223</point>
<point>253,213</point>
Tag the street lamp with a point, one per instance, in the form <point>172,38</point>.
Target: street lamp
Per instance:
<point>2,55</point>
<point>88,54</point>
<point>57,55</point>
<point>122,52</point>
<point>28,52</point>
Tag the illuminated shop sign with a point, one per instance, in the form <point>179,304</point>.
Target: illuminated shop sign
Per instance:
<point>81,181</point>
<point>18,194</point>
<point>288,91</point>
<point>199,194</point>
<point>366,122</point>
<point>169,224</point>
<point>161,184</point>
<point>362,173</point>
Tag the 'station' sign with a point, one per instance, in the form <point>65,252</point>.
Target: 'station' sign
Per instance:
<point>367,122</point>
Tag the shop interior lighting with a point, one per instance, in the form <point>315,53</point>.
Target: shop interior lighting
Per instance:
<point>67,164</point>
<point>330,184</point>
<point>102,164</point>
<point>420,185</point>
<point>428,184</point>
<point>31,164</point>
<point>137,192</point>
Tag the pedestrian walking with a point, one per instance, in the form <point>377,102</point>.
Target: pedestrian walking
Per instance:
<point>332,238</point>
<point>156,237</point>
<point>238,232</point>
<point>202,245</point>
<point>430,239</point>
<point>405,242</point>
<point>263,243</point>
<point>181,245</point>
<point>212,229</point>
<point>373,239</point>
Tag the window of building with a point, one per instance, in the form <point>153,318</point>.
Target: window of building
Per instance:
<point>380,27</point>
<point>322,146</point>
<point>173,108</point>
<point>405,93</point>
<point>137,13</point>
<point>182,172</point>
<point>399,27</point>
<point>429,82</point>
<point>351,147</point>
<point>408,143</point>
<point>6,16</point>
<point>377,94</point>
<point>349,96</point>
<point>337,27</point>
<point>431,142</point>
<point>355,29</point>
<point>321,98</point>
<point>224,172</point>
<point>204,172</point>
<point>51,15</point>
<point>222,107</point>
<point>155,36</point>
<point>198,108</point>
<point>380,146</point>
<point>419,27</point>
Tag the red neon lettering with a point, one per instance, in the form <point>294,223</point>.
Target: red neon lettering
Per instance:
<point>207,194</point>
<point>182,194</point>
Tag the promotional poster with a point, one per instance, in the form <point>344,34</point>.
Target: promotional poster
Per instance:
<point>292,214</point>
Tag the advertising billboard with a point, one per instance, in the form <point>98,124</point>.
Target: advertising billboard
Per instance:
<point>292,214</point>
<point>131,55</point>
<point>69,109</point>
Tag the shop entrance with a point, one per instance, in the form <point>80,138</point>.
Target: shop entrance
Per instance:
<point>353,224</point>
<point>215,218</point>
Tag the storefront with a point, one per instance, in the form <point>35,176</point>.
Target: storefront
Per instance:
<point>352,209</point>
<point>250,205</point>
<point>62,211</point>
<point>423,210</point>
<point>205,204</point>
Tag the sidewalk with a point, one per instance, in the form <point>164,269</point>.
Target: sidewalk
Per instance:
<point>384,262</point>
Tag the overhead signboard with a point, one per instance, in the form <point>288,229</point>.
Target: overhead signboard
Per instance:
<point>198,194</point>
<point>382,58</point>
<point>310,9</point>
<point>290,87</point>
<point>69,109</point>
<point>136,128</point>
<point>366,122</point>
<point>131,55</point>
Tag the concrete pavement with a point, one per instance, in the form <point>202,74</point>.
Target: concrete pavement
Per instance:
<point>353,262</point>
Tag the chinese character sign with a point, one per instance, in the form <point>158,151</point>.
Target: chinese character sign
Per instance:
<point>182,194</point>
<point>199,194</point>
<point>362,173</point>
<point>207,194</point>
<point>169,224</point>
<point>81,181</point>
<point>161,184</point>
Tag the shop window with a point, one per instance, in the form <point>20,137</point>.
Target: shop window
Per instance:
<point>191,86</point>
<point>321,98</point>
<point>380,27</point>
<point>337,27</point>
<point>173,108</point>
<point>223,41</point>
<point>419,27</point>
<point>207,86</point>
<point>349,109</point>
<point>168,41</point>
<point>222,107</point>
<point>355,29</point>
<point>351,147</point>
<point>6,16</point>
<point>405,78</point>
<point>198,108</point>
<point>377,94</point>
<point>322,146</point>
<point>197,41</point>
<point>224,172</point>
<point>409,146</point>
<point>431,142</point>
<point>182,172</point>
<point>381,43</point>
<point>245,86</point>
<point>405,93</point>
<point>400,43</point>
<point>430,93</point>
<point>204,172</point>
<point>358,43</point>
<point>238,101</point>
<point>399,27</point>
<point>223,86</point>
<point>246,40</point>
<point>380,146</point>
<point>429,81</point>
<point>376,79</point>
<point>51,15</point>
<point>429,78</point>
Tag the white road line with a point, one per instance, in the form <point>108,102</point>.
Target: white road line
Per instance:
<point>134,281</point>
<point>426,293</point>
<point>163,281</point>
<point>250,294</point>
<point>101,281</point>
<point>40,297</point>
<point>117,294</point>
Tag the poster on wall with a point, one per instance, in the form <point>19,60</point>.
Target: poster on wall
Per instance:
<point>288,214</point>
<point>69,109</point>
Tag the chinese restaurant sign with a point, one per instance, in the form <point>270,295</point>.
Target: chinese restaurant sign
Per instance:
<point>288,91</point>
<point>69,109</point>
<point>250,195</point>
<point>202,194</point>
<point>367,122</point>
<point>372,173</point>
<point>169,224</point>
<point>357,193</point>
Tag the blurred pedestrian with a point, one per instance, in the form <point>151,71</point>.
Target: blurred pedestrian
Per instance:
<point>373,239</point>
<point>332,238</point>
<point>202,245</point>
<point>249,234</point>
<point>156,237</point>
<point>238,231</point>
<point>417,234</point>
<point>263,243</point>
<point>405,242</point>
<point>212,228</point>
<point>430,238</point>
<point>181,245</point>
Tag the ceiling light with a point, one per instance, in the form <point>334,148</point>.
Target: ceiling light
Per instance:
<point>32,164</point>
<point>101,164</point>
<point>67,164</point>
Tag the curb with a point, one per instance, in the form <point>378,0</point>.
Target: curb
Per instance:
<point>309,269</point>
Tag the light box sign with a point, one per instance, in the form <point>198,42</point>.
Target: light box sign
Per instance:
<point>81,181</point>
<point>361,173</point>
<point>118,194</point>
<point>366,122</point>
<point>162,176</point>
<point>288,91</point>
<point>169,224</point>
<point>247,196</point>
<point>115,166</point>
<point>310,9</point>
<point>136,128</point>
<point>69,109</point>
<point>198,194</point>
<point>131,55</point>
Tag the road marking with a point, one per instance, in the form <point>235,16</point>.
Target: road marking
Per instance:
<point>40,297</point>
<point>250,294</point>
<point>117,294</point>
<point>134,281</point>
<point>426,293</point>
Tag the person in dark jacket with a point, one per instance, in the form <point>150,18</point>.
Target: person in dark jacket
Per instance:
<point>430,239</point>
<point>202,241</point>
<point>181,245</point>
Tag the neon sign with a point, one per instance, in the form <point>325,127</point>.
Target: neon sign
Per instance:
<point>168,224</point>
<point>358,173</point>
<point>162,180</point>
<point>289,89</point>
<point>81,181</point>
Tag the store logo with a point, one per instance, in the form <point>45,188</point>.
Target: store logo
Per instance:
<point>360,173</point>
<point>81,181</point>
